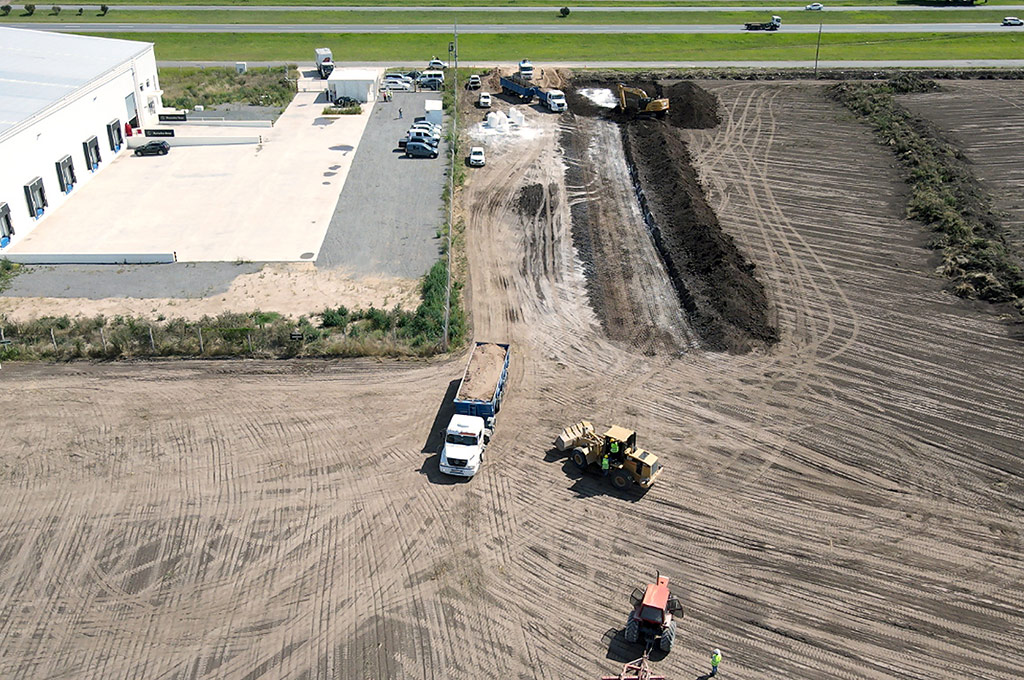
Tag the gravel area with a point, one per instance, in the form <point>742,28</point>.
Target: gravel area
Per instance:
<point>236,111</point>
<point>387,218</point>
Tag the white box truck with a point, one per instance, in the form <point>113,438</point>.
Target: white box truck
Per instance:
<point>324,62</point>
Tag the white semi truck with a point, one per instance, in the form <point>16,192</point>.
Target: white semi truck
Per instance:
<point>476,405</point>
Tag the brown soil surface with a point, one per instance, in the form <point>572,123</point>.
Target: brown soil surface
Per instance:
<point>483,372</point>
<point>986,121</point>
<point>845,504</point>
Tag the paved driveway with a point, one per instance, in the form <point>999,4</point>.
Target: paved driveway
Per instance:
<point>387,218</point>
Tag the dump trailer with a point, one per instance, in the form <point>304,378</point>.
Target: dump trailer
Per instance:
<point>324,62</point>
<point>627,463</point>
<point>553,99</point>
<point>772,25</point>
<point>476,406</point>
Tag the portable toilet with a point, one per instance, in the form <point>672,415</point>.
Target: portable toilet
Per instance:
<point>434,111</point>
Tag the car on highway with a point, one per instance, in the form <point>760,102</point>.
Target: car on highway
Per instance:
<point>420,150</point>
<point>1012,21</point>
<point>485,100</point>
<point>815,6</point>
<point>436,63</point>
<point>476,157</point>
<point>156,148</point>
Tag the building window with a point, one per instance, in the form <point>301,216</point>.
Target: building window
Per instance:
<point>114,135</point>
<point>66,174</point>
<point>35,196</point>
<point>6,227</point>
<point>91,147</point>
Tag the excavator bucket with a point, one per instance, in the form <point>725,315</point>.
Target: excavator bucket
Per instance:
<point>572,435</point>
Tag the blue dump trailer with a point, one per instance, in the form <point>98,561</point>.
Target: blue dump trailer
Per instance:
<point>483,383</point>
<point>553,99</point>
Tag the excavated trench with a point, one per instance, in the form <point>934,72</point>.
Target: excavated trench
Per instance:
<point>726,306</point>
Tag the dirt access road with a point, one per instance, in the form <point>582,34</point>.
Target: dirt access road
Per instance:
<point>846,504</point>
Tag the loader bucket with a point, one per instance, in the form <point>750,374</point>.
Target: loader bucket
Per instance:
<point>572,435</point>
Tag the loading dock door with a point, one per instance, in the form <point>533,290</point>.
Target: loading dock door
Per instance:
<point>133,112</point>
<point>114,135</point>
<point>35,196</point>
<point>6,227</point>
<point>66,174</point>
<point>91,147</point>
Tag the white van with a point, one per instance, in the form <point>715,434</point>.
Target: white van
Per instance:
<point>427,75</point>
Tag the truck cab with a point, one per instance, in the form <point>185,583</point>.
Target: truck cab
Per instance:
<point>526,69</point>
<point>556,101</point>
<point>465,439</point>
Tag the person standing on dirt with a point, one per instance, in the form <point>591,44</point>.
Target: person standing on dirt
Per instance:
<point>716,658</point>
<point>604,464</point>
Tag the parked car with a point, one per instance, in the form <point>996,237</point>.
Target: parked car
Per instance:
<point>476,157</point>
<point>474,83</point>
<point>485,101</point>
<point>413,75</point>
<point>434,84</point>
<point>425,125</point>
<point>436,63</point>
<point>420,150</point>
<point>1012,21</point>
<point>156,148</point>
<point>397,85</point>
<point>815,6</point>
<point>421,135</point>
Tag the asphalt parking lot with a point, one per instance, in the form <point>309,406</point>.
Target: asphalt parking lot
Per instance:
<point>387,217</point>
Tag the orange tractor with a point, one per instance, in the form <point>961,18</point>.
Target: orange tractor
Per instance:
<point>654,615</point>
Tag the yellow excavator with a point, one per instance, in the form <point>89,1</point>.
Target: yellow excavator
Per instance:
<point>645,105</point>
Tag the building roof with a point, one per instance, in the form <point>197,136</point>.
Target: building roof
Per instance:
<point>39,68</point>
<point>353,74</point>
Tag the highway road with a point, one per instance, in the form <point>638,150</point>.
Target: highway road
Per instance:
<point>575,10</point>
<point>513,28</point>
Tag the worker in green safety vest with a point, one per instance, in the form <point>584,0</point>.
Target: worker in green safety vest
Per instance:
<point>716,658</point>
<point>604,464</point>
<point>614,448</point>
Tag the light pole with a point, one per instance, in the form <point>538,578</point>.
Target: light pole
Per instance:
<point>453,61</point>
<point>817,50</point>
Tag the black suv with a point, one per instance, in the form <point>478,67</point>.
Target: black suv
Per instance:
<point>153,149</point>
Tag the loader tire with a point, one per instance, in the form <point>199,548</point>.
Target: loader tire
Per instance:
<point>632,632</point>
<point>579,456</point>
<point>620,479</point>
<point>668,636</point>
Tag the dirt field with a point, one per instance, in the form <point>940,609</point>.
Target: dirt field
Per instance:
<point>845,504</point>
<point>986,120</point>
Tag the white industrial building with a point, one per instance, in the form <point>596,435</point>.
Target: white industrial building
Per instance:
<point>353,83</point>
<point>65,101</point>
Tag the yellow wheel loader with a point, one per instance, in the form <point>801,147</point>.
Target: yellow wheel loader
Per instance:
<point>627,464</point>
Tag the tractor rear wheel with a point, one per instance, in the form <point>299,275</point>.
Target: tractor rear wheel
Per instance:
<point>579,456</point>
<point>668,636</point>
<point>620,479</point>
<point>632,632</point>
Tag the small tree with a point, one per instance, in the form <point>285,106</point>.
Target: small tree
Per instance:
<point>81,11</point>
<point>103,10</point>
<point>55,10</point>
<point>5,10</point>
<point>30,10</point>
<point>564,12</point>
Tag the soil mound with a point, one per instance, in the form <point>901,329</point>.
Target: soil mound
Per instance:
<point>690,106</point>
<point>727,305</point>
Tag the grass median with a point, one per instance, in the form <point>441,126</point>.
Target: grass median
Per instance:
<point>524,17</point>
<point>417,47</point>
<point>516,4</point>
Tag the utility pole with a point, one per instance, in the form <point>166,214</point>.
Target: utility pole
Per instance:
<point>817,50</point>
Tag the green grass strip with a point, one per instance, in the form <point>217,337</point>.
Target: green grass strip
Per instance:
<point>525,17</point>
<point>511,3</point>
<point>416,47</point>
